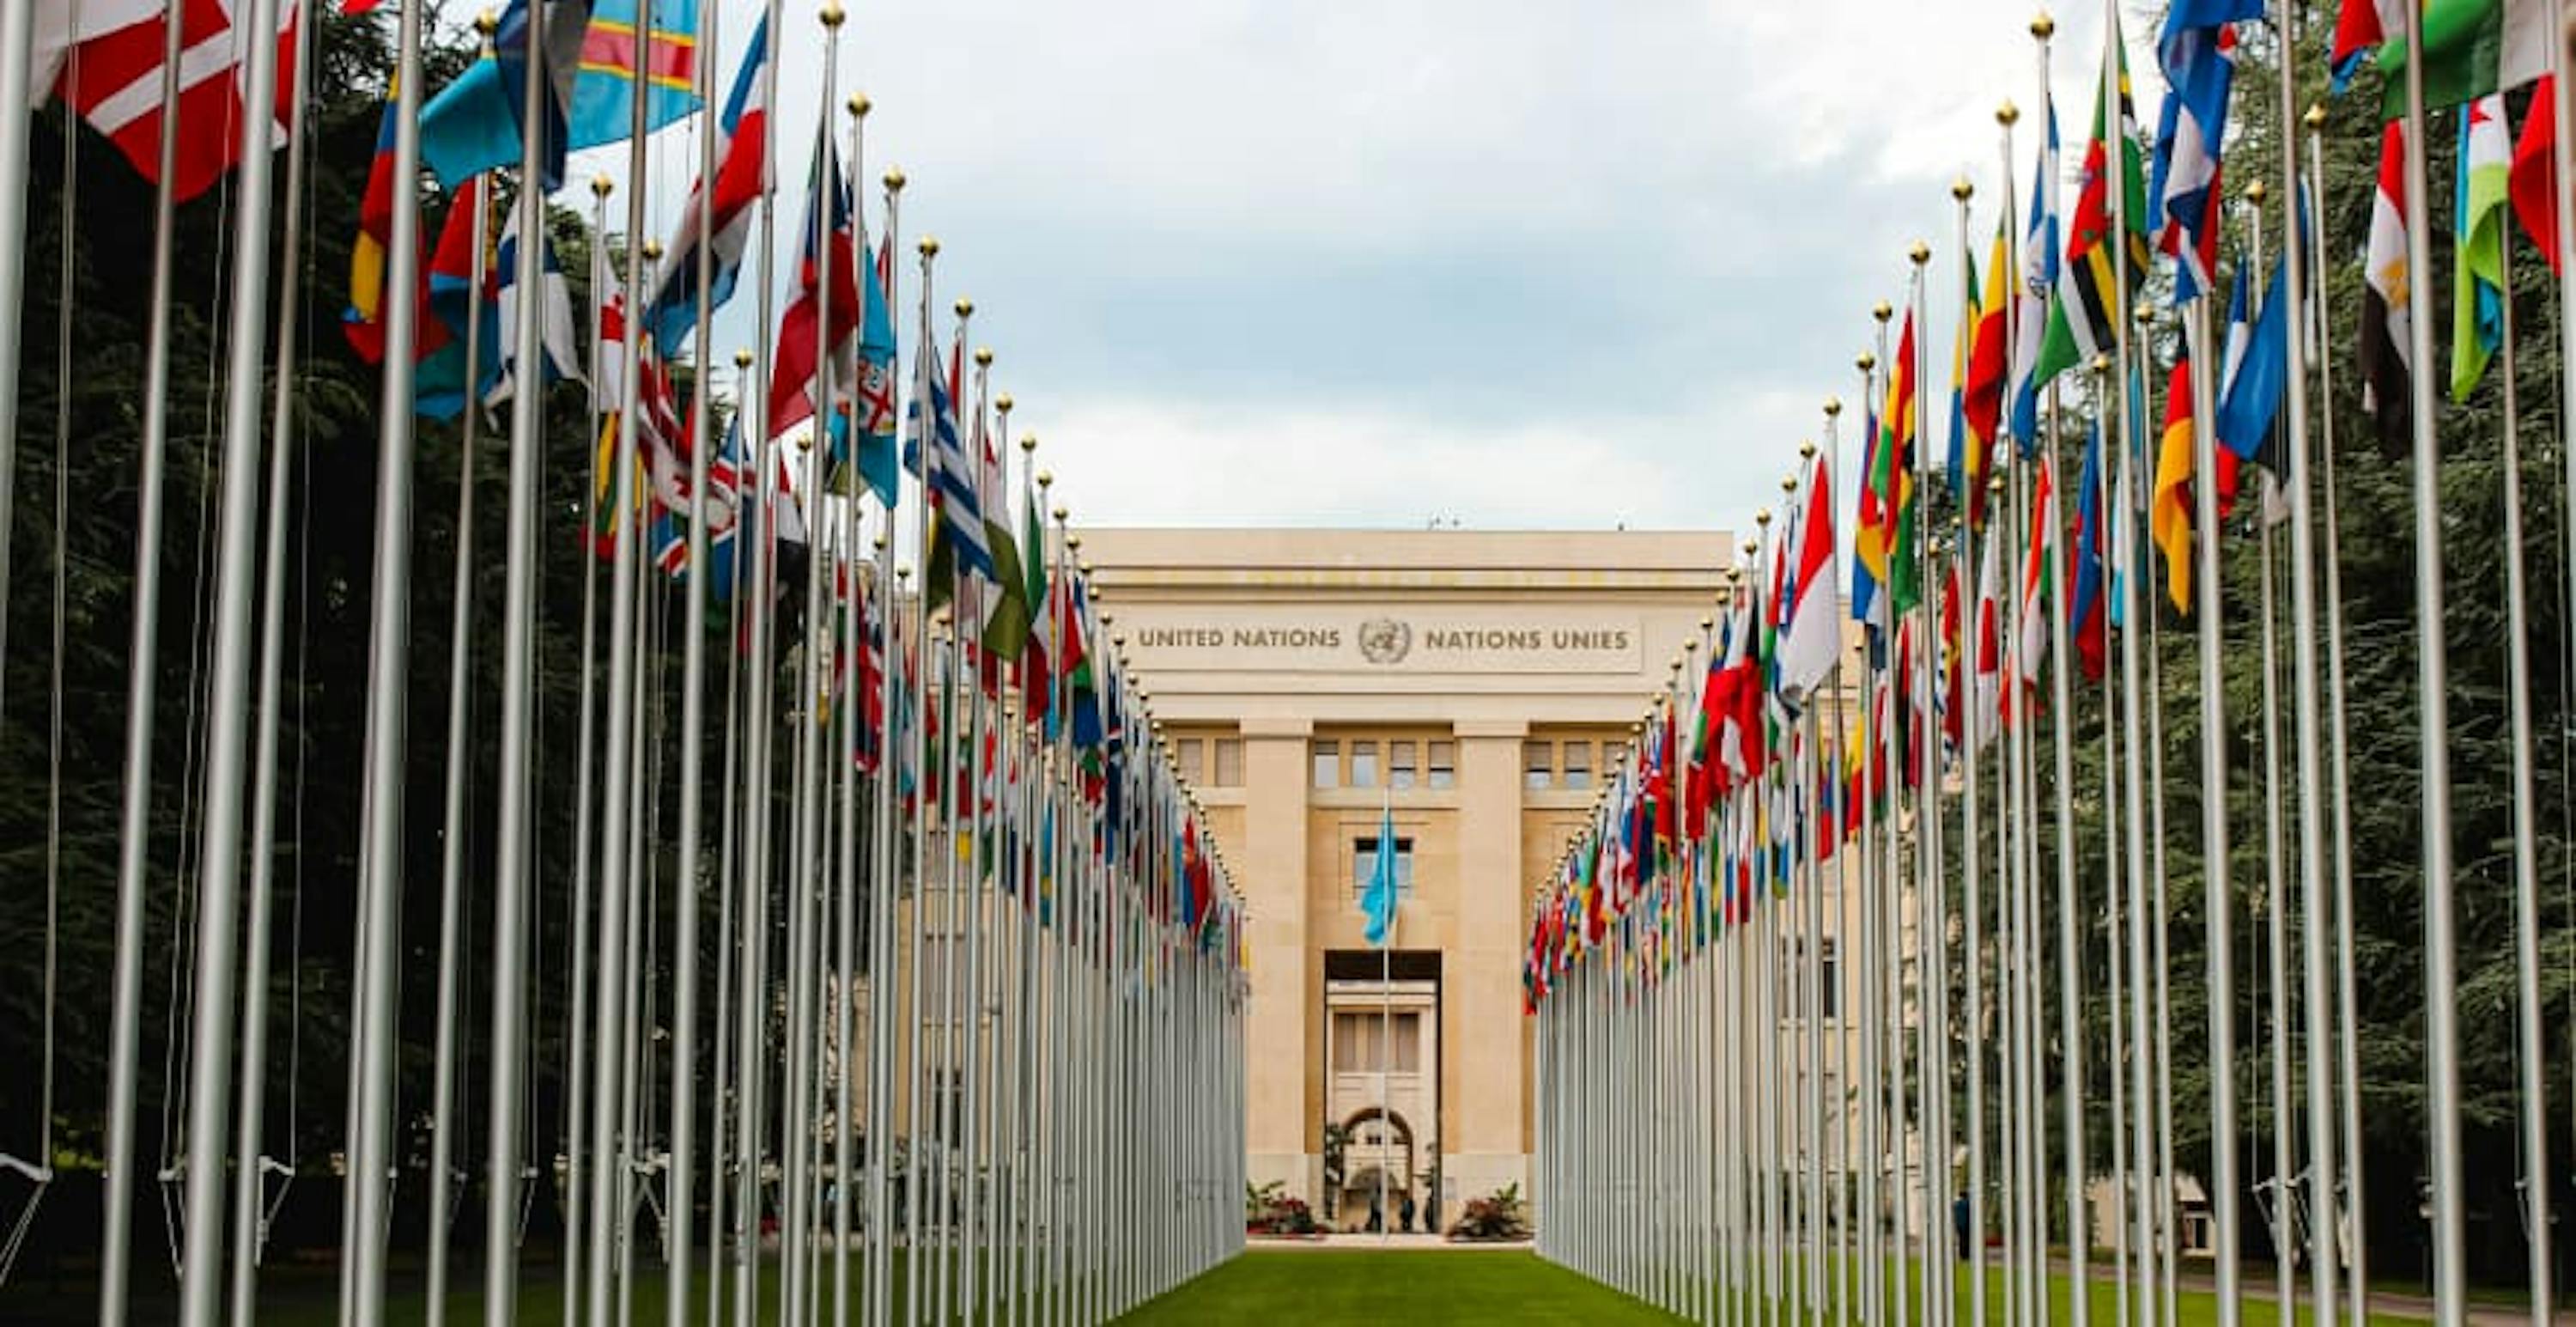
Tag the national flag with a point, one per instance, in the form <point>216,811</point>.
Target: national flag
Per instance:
<point>554,314</point>
<point>1883,545</point>
<point>472,125</point>
<point>1990,642</point>
<point>1951,700</point>
<point>1006,611</point>
<point>741,180</point>
<point>111,76</point>
<point>2086,615</point>
<point>2472,48</point>
<point>2535,180</point>
<point>369,256</point>
<point>2081,327</point>
<point>2039,573</point>
<point>2360,27</point>
<point>2198,52</point>
<point>1954,466</point>
<point>2386,354</point>
<point>2171,513</point>
<point>951,479</point>
<point>2038,293</point>
<point>875,388</point>
<point>1037,674</point>
<point>2477,237</point>
<point>463,291</point>
<point>1867,524</point>
<point>1812,638</point>
<point>827,272</point>
<point>1987,369</point>
<point>603,92</point>
<point>2257,369</point>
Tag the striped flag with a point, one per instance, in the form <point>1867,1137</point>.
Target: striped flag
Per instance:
<point>112,78</point>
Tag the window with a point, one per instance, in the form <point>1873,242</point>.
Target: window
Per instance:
<point>1832,991</point>
<point>1443,763</point>
<point>1192,764</point>
<point>1328,764</point>
<point>1229,763</point>
<point>1363,764</point>
<point>1361,1041</point>
<point>1364,866</point>
<point>1399,764</point>
<point>1538,764</point>
<point>1612,753</point>
<point>1578,765</point>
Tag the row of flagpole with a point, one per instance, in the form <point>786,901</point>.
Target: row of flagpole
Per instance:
<point>974,902</point>
<point>1804,1155</point>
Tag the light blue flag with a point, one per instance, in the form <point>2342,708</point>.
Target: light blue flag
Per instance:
<point>603,94</point>
<point>1378,899</point>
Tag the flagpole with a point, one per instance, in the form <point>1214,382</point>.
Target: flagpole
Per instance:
<point>2114,924</point>
<point>1932,909</point>
<point>724,1089</point>
<point>2441,981</point>
<point>123,1164</point>
<point>1386,1013</point>
<point>249,1172</point>
<point>1873,1144</point>
<point>460,735</point>
<point>925,358</point>
<point>2136,602</point>
<point>17,114</point>
<point>2218,899</point>
<point>896,746</point>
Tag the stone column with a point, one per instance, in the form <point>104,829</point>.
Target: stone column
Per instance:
<point>1277,1133</point>
<point>1481,979</point>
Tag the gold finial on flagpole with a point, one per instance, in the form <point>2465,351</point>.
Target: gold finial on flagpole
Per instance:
<point>2255,193</point>
<point>1962,189</point>
<point>1789,485</point>
<point>1028,444</point>
<point>1833,406</point>
<point>983,354</point>
<point>2315,119</point>
<point>600,185</point>
<point>1807,449</point>
<point>965,308</point>
<point>741,360</point>
<point>2043,27</point>
<point>860,105</point>
<point>833,14</point>
<point>879,542</point>
<point>487,23</point>
<point>1921,253</point>
<point>1762,517</point>
<point>1882,311</point>
<point>929,245</point>
<point>894,181</point>
<point>1865,361</point>
<point>1046,478</point>
<point>2007,114</point>
<point>652,251</point>
<point>1058,511</point>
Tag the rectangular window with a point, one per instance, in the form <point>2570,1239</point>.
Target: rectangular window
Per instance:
<point>1832,992</point>
<point>1443,764</point>
<point>1612,754</point>
<point>1538,764</point>
<point>1193,765</point>
<point>1399,764</point>
<point>1364,866</point>
<point>1363,764</point>
<point>1229,763</point>
<point>1578,765</point>
<point>1364,1043</point>
<point>1328,764</point>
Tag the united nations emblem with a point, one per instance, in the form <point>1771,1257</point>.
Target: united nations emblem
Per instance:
<point>1384,640</point>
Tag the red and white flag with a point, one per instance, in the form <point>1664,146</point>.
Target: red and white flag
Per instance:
<point>112,77</point>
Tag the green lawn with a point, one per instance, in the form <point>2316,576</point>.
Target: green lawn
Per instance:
<point>1270,1286</point>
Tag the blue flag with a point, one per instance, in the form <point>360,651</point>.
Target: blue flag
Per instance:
<point>603,96</point>
<point>1378,899</point>
<point>2252,395</point>
<point>472,125</point>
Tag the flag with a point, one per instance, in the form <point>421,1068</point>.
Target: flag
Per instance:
<point>603,92</point>
<point>2039,573</point>
<point>2080,327</point>
<point>364,320</point>
<point>1987,370</point>
<point>952,474</point>
<point>2534,181</point>
<point>1006,612</point>
<point>1867,523</point>
<point>1884,543</point>
<point>1954,467</point>
<point>554,314</point>
<point>2038,289</point>
<point>2257,369</point>
<point>2170,514</point>
<point>2477,237</point>
<point>1990,644</point>
<point>1377,899</point>
<point>2198,52</point>
<point>1813,634</point>
<point>2360,27</point>
<point>2471,47</point>
<point>829,255</point>
<point>2385,355</point>
<point>111,76</point>
<point>2086,616</point>
<point>1037,675</point>
<point>472,125</point>
<point>464,303</point>
<point>741,179</point>
<point>876,382</point>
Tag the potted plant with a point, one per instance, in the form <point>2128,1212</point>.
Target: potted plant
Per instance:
<point>1497,1217</point>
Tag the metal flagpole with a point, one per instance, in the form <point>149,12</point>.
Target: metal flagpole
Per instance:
<point>1872,1010</point>
<point>1931,936</point>
<point>210,1053</point>
<point>17,113</point>
<point>967,1002</point>
<point>577,1036</point>
<point>2348,1054</point>
<point>729,935</point>
<point>372,1049</point>
<point>125,1037</point>
<point>2104,500</point>
<point>899,745</point>
<point>2276,927</point>
<point>2136,602</point>
<point>925,359</point>
<point>460,735</point>
<point>681,1178</point>
<point>249,1166</point>
<point>2441,980</point>
<point>2217,899</point>
<point>505,1169</point>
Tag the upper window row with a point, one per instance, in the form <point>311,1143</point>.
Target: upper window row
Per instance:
<point>1354,763</point>
<point>1210,762</point>
<point>1567,764</point>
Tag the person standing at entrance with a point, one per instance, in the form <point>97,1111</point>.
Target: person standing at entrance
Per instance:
<point>1404,1214</point>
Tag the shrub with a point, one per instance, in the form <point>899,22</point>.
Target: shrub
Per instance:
<point>1497,1216</point>
<point>1269,1210</point>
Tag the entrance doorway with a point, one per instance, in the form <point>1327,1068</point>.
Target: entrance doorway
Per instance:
<point>1382,1035</point>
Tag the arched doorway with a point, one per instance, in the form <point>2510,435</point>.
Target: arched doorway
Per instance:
<point>1379,1151</point>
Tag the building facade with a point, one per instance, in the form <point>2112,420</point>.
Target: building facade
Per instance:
<point>1471,689</point>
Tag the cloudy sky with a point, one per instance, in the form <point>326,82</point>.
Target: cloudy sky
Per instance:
<point>1502,262</point>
